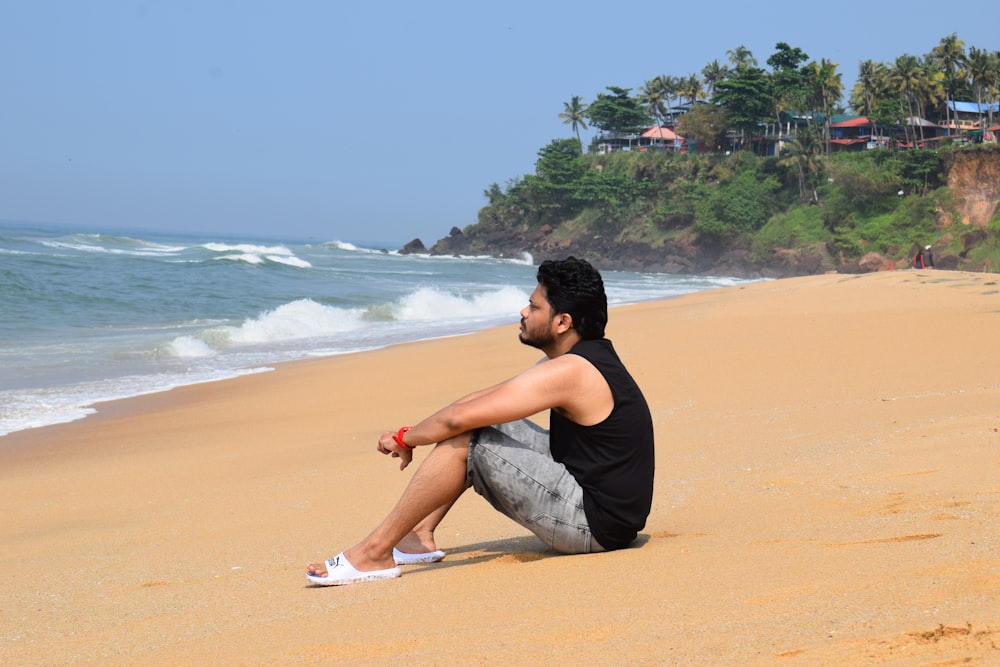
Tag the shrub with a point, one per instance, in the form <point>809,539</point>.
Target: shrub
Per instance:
<point>802,225</point>
<point>738,207</point>
<point>868,182</point>
<point>913,222</point>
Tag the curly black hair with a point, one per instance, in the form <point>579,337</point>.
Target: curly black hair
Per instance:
<point>575,287</point>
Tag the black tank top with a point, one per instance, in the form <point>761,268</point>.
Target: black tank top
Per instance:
<point>613,461</point>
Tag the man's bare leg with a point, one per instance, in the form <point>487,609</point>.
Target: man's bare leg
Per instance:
<point>435,487</point>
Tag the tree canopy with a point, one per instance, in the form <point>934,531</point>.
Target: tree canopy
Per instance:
<point>751,96</point>
<point>617,111</point>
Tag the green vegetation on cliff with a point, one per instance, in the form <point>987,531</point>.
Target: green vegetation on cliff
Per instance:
<point>691,213</point>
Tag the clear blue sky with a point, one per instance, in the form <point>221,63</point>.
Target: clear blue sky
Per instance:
<point>357,121</point>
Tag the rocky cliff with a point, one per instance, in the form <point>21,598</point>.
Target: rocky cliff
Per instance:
<point>974,179</point>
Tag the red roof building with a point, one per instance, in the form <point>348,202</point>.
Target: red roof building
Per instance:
<point>661,139</point>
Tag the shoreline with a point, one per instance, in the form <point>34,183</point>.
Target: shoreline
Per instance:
<point>825,494</point>
<point>69,402</point>
<point>86,410</point>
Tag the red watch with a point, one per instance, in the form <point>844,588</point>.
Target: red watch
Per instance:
<point>399,438</point>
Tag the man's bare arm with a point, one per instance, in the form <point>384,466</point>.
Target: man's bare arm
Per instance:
<point>568,383</point>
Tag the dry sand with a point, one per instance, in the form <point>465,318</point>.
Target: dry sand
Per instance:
<point>827,493</point>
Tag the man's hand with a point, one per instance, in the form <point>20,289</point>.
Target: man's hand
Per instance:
<point>386,445</point>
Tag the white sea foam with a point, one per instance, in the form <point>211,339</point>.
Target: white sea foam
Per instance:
<point>303,318</point>
<point>306,318</point>
<point>290,261</point>
<point>133,250</point>
<point>249,258</point>
<point>341,245</point>
<point>429,304</point>
<point>249,248</point>
<point>188,347</point>
<point>24,410</point>
<point>524,259</point>
<point>257,254</point>
<point>21,410</point>
<point>109,243</point>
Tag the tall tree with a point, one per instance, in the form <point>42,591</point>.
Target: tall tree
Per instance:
<point>557,163</point>
<point>869,87</point>
<point>930,91</point>
<point>984,70</point>
<point>979,72</point>
<point>802,153</point>
<point>905,76</point>
<point>670,86</point>
<point>615,111</point>
<point>706,125</point>
<point>920,84</point>
<point>949,56</point>
<point>875,98</point>
<point>574,114</point>
<point>745,98</point>
<point>827,88</point>
<point>690,87</point>
<point>712,74</point>
<point>788,81</point>
<point>653,94</point>
<point>741,57</point>
<point>558,171</point>
<point>994,85</point>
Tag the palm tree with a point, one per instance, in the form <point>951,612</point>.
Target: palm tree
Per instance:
<point>920,82</point>
<point>868,87</point>
<point>984,70</point>
<point>905,76</point>
<point>741,57</point>
<point>712,74</point>
<point>979,72</point>
<point>931,90</point>
<point>876,97</point>
<point>803,154</point>
<point>949,56</point>
<point>827,88</point>
<point>652,94</point>
<point>994,85</point>
<point>669,84</point>
<point>690,88</point>
<point>574,115</point>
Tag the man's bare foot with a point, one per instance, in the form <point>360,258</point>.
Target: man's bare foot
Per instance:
<point>339,571</point>
<point>359,559</point>
<point>316,569</point>
<point>417,544</point>
<point>416,548</point>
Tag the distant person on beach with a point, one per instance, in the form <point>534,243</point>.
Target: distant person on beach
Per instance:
<point>918,259</point>
<point>585,485</point>
<point>928,258</point>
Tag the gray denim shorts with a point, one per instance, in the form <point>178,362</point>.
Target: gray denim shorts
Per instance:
<point>510,465</point>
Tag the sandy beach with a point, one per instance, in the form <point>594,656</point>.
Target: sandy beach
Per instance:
<point>827,493</point>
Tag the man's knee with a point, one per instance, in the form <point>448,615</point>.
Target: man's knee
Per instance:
<point>458,443</point>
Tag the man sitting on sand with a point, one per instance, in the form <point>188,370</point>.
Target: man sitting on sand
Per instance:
<point>584,486</point>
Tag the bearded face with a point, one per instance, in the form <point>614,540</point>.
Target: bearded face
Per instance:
<point>537,321</point>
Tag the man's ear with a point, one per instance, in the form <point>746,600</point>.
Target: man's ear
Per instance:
<point>564,322</point>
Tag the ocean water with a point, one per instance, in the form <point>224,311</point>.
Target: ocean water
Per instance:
<point>87,316</point>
